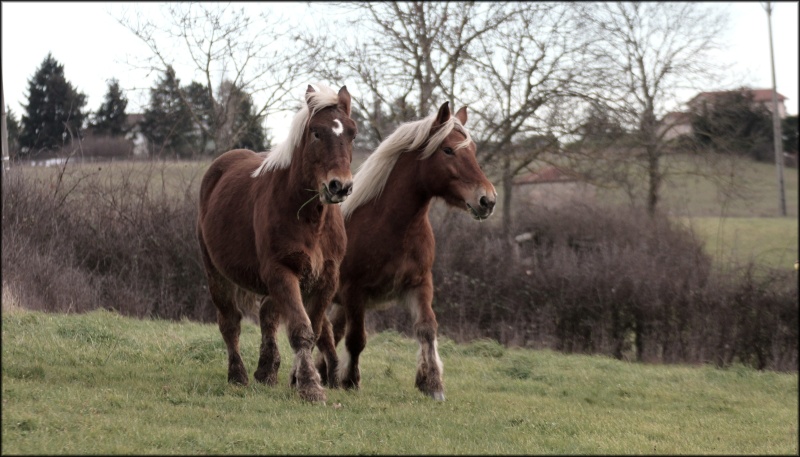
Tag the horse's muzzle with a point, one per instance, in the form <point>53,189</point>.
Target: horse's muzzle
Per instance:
<point>336,191</point>
<point>483,209</point>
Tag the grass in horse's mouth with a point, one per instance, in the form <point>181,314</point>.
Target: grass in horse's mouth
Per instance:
<point>316,194</point>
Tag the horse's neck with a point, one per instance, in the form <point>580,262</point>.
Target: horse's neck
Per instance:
<point>298,187</point>
<point>404,202</point>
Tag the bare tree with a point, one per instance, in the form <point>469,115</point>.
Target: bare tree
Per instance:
<point>407,56</point>
<point>253,53</point>
<point>527,77</point>
<point>646,52</point>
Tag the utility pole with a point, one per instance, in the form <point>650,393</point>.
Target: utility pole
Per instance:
<point>776,121</point>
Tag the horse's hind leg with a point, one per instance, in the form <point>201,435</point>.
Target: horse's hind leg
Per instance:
<point>354,342</point>
<point>429,365</point>
<point>316,305</point>
<point>229,317</point>
<point>332,332</point>
<point>269,359</point>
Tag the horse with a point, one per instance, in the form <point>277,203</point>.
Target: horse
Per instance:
<point>390,242</point>
<point>270,225</point>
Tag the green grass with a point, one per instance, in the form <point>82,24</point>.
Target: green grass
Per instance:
<point>100,383</point>
<point>767,242</point>
<point>754,194</point>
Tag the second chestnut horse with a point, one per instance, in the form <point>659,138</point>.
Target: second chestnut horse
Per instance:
<point>390,242</point>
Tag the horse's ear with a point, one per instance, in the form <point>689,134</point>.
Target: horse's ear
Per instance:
<point>461,115</point>
<point>443,115</point>
<point>344,100</point>
<point>309,91</point>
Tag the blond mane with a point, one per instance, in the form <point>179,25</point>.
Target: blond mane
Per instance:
<point>281,155</point>
<point>371,176</point>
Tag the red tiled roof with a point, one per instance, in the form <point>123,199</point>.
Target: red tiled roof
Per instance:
<point>759,95</point>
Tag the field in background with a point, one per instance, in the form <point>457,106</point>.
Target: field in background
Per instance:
<point>737,225</point>
<point>734,241</point>
<point>100,383</point>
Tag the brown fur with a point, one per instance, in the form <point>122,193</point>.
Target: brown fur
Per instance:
<point>391,247</point>
<point>272,236</point>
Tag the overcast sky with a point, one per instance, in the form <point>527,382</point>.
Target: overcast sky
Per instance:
<point>93,47</point>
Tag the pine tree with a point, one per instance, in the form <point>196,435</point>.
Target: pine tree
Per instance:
<point>54,110</point>
<point>734,123</point>
<point>167,123</point>
<point>110,117</point>
<point>247,126</point>
<point>202,107</point>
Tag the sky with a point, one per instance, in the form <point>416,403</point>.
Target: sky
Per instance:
<point>93,47</point>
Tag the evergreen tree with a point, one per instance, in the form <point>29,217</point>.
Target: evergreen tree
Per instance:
<point>167,123</point>
<point>733,123</point>
<point>54,110</point>
<point>110,117</point>
<point>202,107</point>
<point>247,125</point>
<point>789,128</point>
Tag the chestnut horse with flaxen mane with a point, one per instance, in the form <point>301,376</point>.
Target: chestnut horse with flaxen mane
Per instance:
<point>390,242</point>
<point>270,225</point>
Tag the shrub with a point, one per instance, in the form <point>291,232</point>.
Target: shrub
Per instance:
<point>580,278</point>
<point>78,239</point>
<point>604,280</point>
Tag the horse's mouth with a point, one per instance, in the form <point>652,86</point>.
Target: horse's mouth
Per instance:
<point>329,198</point>
<point>478,214</point>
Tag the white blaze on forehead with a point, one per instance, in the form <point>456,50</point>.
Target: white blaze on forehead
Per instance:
<point>339,128</point>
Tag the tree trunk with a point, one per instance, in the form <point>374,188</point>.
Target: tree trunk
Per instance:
<point>508,187</point>
<point>654,180</point>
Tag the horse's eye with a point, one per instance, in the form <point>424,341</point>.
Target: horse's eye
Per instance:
<point>448,151</point>
<point>316,135</point>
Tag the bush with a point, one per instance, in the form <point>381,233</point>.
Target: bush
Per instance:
<point>80,240</point>
<point>604,280</point>
<point>579,279</point>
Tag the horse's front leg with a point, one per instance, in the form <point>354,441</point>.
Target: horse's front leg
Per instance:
<point>429,365</point>
<point>318,302</point>
<point>284,290</point>
<point>269,359</point>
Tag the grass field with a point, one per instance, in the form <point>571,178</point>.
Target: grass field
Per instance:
<point>737,226</point>
<point>99,383</point>
<point>734,241</point>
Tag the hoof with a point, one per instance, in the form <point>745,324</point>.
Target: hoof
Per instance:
<point>438,396</point>
<point>313,395</point>
<point>237,377</point>
<point>270,379</point>
<point>349,384</point>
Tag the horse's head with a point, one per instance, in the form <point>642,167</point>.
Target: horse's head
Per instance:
<point>452,171</point>
<point>329,147</point>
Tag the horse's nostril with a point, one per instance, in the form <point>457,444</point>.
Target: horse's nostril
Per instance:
<point>348,189</point>
<point>486,203</point>
<point>335,186</point>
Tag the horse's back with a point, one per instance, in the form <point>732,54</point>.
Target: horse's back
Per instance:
<point>224,223</point>
<point>231,166</point>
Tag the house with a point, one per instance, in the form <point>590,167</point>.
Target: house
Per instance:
<point>761,97</point>
<point>552,186</point>
<point>678,123</point>
<point>675,124</point>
